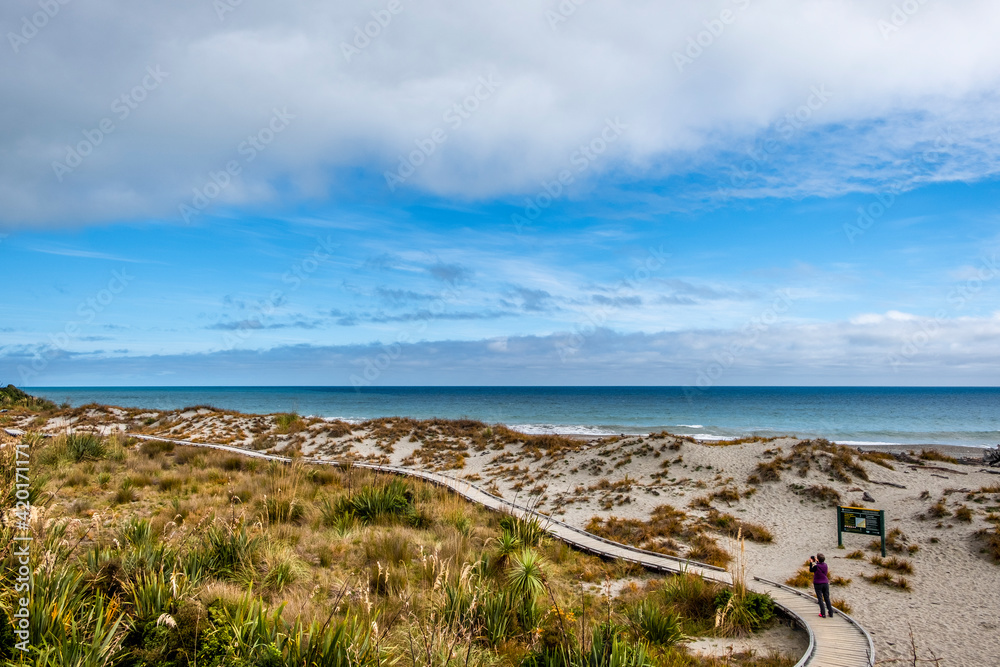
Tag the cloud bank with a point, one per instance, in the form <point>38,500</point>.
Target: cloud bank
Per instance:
<point>127,112</point>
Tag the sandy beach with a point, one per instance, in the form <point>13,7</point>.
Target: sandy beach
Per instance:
<point>934,504</point>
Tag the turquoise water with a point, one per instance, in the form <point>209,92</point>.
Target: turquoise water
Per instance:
<point>954,416</point>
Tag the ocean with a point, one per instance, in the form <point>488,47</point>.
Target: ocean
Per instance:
<point>849,415</point>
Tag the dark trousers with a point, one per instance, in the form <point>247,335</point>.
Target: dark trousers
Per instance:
<point>823,594</point>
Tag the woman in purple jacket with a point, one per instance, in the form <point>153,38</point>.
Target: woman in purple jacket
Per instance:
<point>821,582</point>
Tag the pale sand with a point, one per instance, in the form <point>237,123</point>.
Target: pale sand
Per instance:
<point>955,599</point>
<point>953,608</point>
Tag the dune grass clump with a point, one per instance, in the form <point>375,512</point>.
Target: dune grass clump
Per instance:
<point>732,526</point>
<point>991,541</point>
<point>886,578</point>
<point>939,510</point>
<point>660,533</point>
<point>85,447</point>
<point>820,493</point>
<point>842,605</point>
<point>657,627</point>
<point>879,458</point>
<point>288,422</point>
<point>392,501</point>
<point>704,549</point>
<point>933,455</point>
<point>836,461</point>
<point>892,563</point>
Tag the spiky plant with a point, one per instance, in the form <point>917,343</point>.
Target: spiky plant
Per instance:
<point>524,575</point>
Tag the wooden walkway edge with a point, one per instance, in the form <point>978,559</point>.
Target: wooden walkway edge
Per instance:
<point>839,641</point>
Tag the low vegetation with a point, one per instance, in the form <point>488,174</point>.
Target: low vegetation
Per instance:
<point>12,397</point>
<point>838,462</point>
<point>669,531</point>
<point>156,554</point>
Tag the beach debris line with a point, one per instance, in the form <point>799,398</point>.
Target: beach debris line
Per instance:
<point>991,457</point>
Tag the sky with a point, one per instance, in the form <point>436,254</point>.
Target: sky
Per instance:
<point>533,192</point>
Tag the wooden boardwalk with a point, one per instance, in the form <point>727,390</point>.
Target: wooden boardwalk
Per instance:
<point>839,641</point>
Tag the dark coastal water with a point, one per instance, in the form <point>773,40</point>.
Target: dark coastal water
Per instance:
<point>952,416</point>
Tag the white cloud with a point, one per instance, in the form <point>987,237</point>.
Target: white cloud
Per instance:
<point>891,97</point>
<point>920,350</point>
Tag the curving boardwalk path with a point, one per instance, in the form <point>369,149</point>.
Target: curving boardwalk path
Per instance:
<point>833,642</point>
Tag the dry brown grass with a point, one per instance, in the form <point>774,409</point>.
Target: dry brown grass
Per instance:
<point>933,455</point>
<point>885,578</point>
<point>879,458</point>
<point>732,526</point>
<point>892,563</point>
<point>990,538</point>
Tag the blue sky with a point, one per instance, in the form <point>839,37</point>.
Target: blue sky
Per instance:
<point>500,196</point>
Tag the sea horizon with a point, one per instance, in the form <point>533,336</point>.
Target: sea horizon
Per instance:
<point>857,415</point>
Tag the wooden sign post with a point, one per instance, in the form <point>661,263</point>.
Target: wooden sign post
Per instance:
<point>860,520</point>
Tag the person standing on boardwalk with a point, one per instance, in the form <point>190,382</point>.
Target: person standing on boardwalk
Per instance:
<point>821,582</point>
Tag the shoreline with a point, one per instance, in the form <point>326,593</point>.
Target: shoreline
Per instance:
<point>853,416</point>
<point>957,451</point>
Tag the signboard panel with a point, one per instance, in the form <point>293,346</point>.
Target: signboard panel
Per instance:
<point>861,520</point>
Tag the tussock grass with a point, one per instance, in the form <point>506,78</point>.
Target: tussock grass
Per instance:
<point>879,458</point>
<point>990,538</point>
<point>892,563</point>
<point>202,555</point>
<point>819,493</point>
<point>886,578</point>
<point>932,455</point>
<point>842,605</point>
<point>732,526</point>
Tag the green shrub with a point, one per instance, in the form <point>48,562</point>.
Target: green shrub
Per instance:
<point>283,510</point>
<point>153,448</point>
<point>524,576</point>
<point>85,447</point>
<point>371,504</point>
<point>529,532</point>
<point>126,492</point>
<point>652,624</point>
<point>692,598</point>
<point>230,549</point>
<point>742,614</point>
